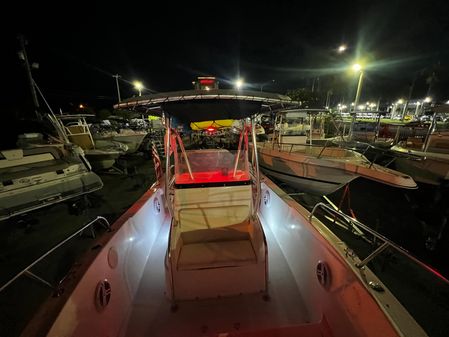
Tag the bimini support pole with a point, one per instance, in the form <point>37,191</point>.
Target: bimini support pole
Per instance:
<point>167,163</point>
<point>238,150</point>
<point>256,166</point>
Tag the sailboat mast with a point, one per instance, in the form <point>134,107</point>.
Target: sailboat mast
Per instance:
<point>23,56</point>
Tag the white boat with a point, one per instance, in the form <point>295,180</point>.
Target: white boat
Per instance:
<point>323,170</point>
<point>295,159</point>
<point>102,154</point>
<point>215,249</point>
<point>39,176</point>
<point>131,138</point>
<point>428,160</point>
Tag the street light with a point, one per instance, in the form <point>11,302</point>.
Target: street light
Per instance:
<point>138,86</point>
<point>358,68</point>
<point>342,48</point>
<point>239,83</point>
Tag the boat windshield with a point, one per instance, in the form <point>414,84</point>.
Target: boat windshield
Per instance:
<point>217,156</point>
<point>211,166</point>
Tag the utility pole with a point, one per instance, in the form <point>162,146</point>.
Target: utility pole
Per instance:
<point>117,76</point>
<point>23,56</point>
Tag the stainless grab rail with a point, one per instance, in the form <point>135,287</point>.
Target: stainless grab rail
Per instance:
<point>386,242</point>
<point>26,271</point>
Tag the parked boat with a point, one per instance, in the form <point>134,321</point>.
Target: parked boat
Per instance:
<point>429,159</point>
<point>211,250</point>
<point>294,158</point>
<point>101,153</point>
<point>131,138</point>
<point>323,170</point>
<point>42,175</point>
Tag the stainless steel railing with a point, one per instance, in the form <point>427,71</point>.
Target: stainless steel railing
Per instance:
<point>27,272</point>
<point>385,242</point>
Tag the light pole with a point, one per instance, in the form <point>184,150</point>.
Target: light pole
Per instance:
<point>138,86</point>
<point>117,76</point>
<point>239,83</point>
<point>357,68</point>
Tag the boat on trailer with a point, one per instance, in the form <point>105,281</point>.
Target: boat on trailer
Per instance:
<point>214,248</point>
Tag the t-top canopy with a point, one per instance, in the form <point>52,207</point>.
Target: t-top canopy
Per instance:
<point>200,105</point>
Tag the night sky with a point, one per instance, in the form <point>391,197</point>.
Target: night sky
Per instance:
<point>80,46</point>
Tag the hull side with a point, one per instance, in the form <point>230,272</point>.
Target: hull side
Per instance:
<point>305,174</point>
<point>29,198</point>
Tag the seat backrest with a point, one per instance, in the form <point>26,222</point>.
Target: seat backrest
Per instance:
<point>212,207</point>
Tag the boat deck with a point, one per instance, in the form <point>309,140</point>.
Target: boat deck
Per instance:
<point>151,313</point>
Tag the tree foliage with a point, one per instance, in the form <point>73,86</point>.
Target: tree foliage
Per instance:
<point>308,98</point>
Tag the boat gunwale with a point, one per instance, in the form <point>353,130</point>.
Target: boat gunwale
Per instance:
<point>386,300</point>
<point>44,318</point>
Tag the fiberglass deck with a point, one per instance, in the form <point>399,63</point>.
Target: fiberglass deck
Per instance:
<point>151,314</point>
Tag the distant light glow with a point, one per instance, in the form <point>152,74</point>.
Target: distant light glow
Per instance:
<point>138,85</point>
<point>356,67</point>
<point>81,106</point>
<point>342,48</point>
<point>239,83</point>
<point>400,101</point>
<point>428,99</point>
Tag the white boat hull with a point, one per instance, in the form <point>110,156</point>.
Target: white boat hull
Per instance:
<point>33,178</point>
<point>326,174</point>
<point>27,199</point>
<point>132,263</point>
<point>304,183</point>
